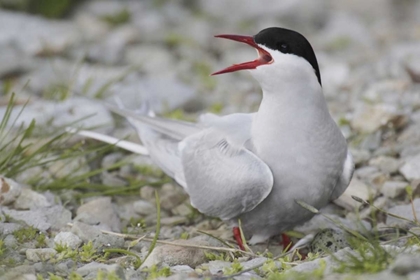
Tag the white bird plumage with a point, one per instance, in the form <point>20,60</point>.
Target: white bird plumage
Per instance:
<point>254,166</point>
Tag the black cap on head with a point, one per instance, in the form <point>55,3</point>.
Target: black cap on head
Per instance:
<point>288,41</point>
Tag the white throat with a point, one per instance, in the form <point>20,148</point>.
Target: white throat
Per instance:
<point>292,100</point>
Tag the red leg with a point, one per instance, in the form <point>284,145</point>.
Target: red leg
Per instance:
<point>286,242</point>
<point>237,236</point>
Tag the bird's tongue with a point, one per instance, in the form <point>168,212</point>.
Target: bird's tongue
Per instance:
<point>264,56</point>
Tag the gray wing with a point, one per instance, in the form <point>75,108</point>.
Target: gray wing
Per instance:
<point>223,177</point>
<point>212,160</point>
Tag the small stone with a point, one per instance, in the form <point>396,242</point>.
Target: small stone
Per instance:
<point>393,189</point>
<point>90,270</point>
<point>356,188</point>
<point>44,267</point>
<point>57,216</point>
<point>412,65</point>
<point>28,199</point>
<point>42,35</point>
<point>108,241</point>
<point>329,240</point>
<point>99,212</point>
<point>9,191</point>
<point>182,210</point>
<point>178,255</point>
<point>62,268</point>
<point>174,220</point>
<point>376,180</point>
<point>8,228</point>
<point>148,193</point>
<point>253,262</point>
<point>411,168</point>
<point>54,217</point>
<point>369,118</point>
<point>172,199</point>
<point>43,254</point>
<point>414,231</point>
<point>405,211</point>
<point>366,213</point>
<point>181,269</point>
<point>414,275</point>
<point>365,172</point>
<point>216,267</point>
<point>68,239</point>
<point>144,207</point>
<point>330,221</point>
<point>331,262</point>
<point>84,231</point>
<point>18,271</point>
<point>360,156</point>
<point>405,264</point>
<point>28,277</point>
<point>388,165</point>
<point>372,141</point>
<point>10,241</point>
<point>92,233</point>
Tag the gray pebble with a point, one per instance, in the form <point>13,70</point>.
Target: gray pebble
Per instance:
<point>411,168</point>
<point>405,264</point>
<point>144,207</point>
<point>100,212</point>
<point>42,254</point>
<point>29,199</point>
<point>91,269</point>
<point>393,189</point>
<point>68,239</point>
<point>405,211</point>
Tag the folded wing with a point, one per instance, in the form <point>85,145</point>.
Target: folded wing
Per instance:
<point>212,160</point>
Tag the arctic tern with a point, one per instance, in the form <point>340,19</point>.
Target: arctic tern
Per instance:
<point>254,167</point>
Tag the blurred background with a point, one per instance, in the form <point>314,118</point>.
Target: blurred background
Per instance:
<point>55,51</point>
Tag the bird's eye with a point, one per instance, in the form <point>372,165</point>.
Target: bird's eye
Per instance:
<point>283,47</point>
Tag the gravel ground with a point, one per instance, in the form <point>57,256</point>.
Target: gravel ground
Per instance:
<point>60,219</point>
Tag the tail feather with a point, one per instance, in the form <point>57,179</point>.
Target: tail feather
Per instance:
<point>173,128</point>
<point>160,136</point>
<point>126,145</point>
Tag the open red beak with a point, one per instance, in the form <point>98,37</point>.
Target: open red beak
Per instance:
<point>264,56</point>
